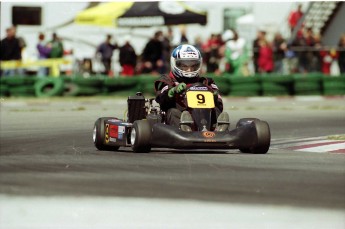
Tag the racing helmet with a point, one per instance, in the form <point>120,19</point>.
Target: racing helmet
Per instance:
<point>185,62</point>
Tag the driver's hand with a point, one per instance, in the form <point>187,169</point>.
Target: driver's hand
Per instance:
<point>177,89</point>
<point>180,88</point>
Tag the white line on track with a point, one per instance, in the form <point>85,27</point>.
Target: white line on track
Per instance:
<point>324,148</point>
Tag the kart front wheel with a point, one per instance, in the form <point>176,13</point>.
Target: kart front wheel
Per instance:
<point>141,136</point>
<point>98,135</point>
<point>264,138</point>
<point>263,135</point>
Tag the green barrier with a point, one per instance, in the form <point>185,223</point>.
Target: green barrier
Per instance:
<point>73,89</point>
<point>245,79</point>
<point>19,80</point>
<point>280,79</point>
<point>121,82</point>
<point>223,84</point>
<point>244,93</point>
<point>4,90</point>
<point>89,82</point>
<point>22,91</point>
<point>146,84</point>
<point>245,87</point>
<point>267,85</point>
<point>311,77</point>
<point>307,86</point>
<point>333,85</point>
<point>334,92</point>
<point>274,89</point>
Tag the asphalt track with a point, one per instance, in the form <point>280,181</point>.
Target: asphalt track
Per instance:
<point>51,175</point>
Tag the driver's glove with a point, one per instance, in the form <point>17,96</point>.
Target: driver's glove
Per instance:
<point>177,89</point>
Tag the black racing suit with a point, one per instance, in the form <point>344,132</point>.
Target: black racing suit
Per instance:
<point>174,106</point>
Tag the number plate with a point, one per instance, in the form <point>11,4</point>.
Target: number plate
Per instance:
<point>200,99</point>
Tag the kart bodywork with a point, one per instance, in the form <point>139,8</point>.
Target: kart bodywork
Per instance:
<point>145,128</point>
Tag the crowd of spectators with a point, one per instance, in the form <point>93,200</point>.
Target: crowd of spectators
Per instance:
<point>230,53</point>
<point>222,53</point>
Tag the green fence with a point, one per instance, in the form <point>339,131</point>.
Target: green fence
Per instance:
<point>257,85</point>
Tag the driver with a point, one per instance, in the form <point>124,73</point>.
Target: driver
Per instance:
<point>186,64</point>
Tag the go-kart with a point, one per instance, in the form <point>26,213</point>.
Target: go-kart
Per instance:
<point>146,128</point>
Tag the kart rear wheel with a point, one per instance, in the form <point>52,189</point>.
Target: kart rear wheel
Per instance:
<point>141,136</point>
<point>98,136</point>
<point>263,136</point>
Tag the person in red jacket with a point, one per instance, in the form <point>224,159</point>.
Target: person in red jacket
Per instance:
<point>186,64</point>
<point>265,60</point>
<point>294,17</point>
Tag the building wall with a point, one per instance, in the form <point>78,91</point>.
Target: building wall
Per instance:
<point>336,28</point>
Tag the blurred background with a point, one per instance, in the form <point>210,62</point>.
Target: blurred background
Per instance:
<point>129,39</point>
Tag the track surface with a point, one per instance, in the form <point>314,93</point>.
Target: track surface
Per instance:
<point>47,150</point>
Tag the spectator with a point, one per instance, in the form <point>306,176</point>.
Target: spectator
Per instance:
<point>341,58</point>
<point>56,47</point>
<point>152,56</point>
<point>128,59</point>
<point>212,56</point>
<point>328,57</point>
<point>106,50</point>
<point>260,35</point>
<point>11,49</point>
<point>167,47</point>
<point>317,49</point>
<point>43,53</point>
<point>199,45</point>
<point>305,43</point>
<point>236,55</point>
<point>294,17</point>
<point>265,60</point>
<point>279,48</point>
<point>183,39</point>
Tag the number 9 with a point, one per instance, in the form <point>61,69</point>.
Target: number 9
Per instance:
<point>201,98</point>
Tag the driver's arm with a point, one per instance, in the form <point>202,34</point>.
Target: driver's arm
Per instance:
<point>217,97</point>
<point>162,97</point>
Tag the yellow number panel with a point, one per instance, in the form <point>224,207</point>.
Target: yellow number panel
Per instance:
<point>200,99</point>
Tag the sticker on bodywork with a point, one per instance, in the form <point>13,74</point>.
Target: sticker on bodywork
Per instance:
<point>106,133</point>
<point>113,131</point>
<point>208,134</point>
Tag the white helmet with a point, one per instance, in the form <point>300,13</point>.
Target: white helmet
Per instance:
<point>185,61</point>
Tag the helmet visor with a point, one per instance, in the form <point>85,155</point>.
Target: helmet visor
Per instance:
<point>188,65</point>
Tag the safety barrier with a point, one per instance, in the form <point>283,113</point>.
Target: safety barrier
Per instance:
<point>258,85</point>
<point>53,64</point>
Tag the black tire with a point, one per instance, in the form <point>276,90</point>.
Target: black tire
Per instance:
<point>263,135</point>
<point>264,138</point>
<point>242,122</point>
<point>99,136</point>
<point>246,121</point>
<point>141,136</point>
